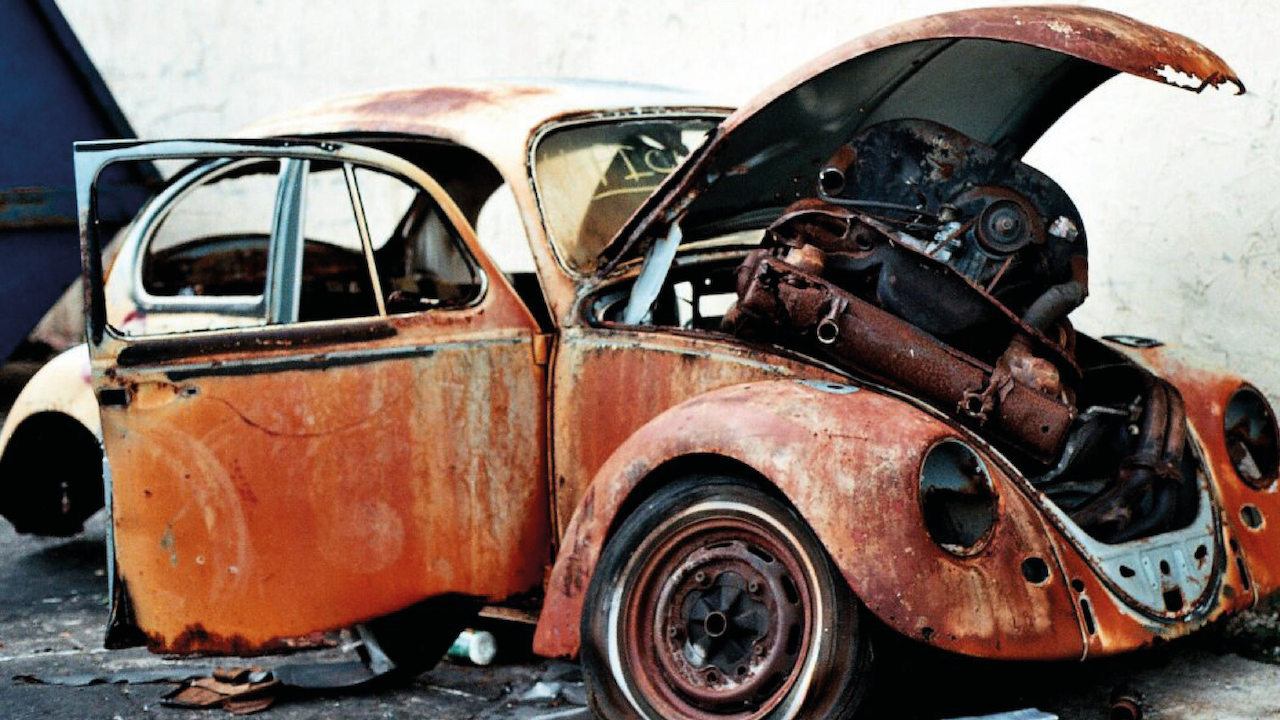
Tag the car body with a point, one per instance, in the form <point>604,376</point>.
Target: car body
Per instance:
<point>691,430</point>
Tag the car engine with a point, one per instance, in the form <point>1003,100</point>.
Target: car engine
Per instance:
<point>944,268</point>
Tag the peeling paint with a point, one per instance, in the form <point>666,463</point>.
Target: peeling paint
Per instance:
<point>167,544</point>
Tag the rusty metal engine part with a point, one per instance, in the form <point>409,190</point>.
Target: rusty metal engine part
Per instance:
<point>1143,496</point>
<point>786,304</point>
<point>858,253</point>
<point>1035,372</point>
<point>1003,226</point>
<point>1127,470</point>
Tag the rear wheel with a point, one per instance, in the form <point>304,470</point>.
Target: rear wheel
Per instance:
<point>715,600</point>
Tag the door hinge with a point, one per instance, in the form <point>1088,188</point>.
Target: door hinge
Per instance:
<point>542,345</point>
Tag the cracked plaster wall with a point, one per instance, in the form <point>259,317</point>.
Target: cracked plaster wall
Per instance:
<point>1179,192</point>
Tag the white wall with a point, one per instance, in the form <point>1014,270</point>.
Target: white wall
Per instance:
<point>1179,191</point>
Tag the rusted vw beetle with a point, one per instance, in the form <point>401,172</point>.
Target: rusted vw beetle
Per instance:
<point>721,389</point>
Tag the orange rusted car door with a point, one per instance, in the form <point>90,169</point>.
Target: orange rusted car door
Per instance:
<point>305,428</point>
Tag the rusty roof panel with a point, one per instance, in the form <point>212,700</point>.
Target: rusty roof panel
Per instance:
<point>494,118</point>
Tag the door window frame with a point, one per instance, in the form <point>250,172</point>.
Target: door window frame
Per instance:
<point>279,302</point>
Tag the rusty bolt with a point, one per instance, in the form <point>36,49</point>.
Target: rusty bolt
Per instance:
<point>701,578</point>
<point>712,676</point>
<point>675,632</point>
<point>753,587</point>
<point>759,649</point>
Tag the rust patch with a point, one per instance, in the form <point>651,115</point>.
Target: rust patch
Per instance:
<point>290,501</point>
<point>1106,38</point>
<point>672,368</point>
<point>196,640</point>
<point>430,111</point>
<point>778,297</point>
<point>163,349</point>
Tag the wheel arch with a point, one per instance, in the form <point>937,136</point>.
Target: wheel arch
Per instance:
<point>843,458</point>
<point>61,385</point>
<point>678,466</point>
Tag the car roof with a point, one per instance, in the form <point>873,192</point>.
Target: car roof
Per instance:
<point>495,118</point>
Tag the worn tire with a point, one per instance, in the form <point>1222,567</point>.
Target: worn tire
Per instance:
<point>714,599</point>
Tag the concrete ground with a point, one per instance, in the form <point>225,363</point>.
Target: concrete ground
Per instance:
<point>53,606</point>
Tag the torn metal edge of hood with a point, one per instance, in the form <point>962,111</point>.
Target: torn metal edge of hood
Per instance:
<point>1106,42</point>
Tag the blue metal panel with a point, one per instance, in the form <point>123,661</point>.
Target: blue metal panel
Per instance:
<point>50,96</point>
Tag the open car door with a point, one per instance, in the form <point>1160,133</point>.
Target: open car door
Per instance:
<point>320,400</point>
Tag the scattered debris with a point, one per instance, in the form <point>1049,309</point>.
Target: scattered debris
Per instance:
<point>1126,704</point>
<point>543,690</point>
<point>348,675</point>
<point>239,691</point>
<point>479,647</point>
<point>245,690</point>
<point>564,714</point>
<point>456,692</point>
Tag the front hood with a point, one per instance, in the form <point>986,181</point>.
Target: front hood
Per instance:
<point>1002,76</point>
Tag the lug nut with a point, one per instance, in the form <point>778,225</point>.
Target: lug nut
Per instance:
<point>701,578</point>
<point>753,587</point>
<point>675,632</point>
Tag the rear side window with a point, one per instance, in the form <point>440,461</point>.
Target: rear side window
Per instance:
<point>335,280</point>
<point>420,260</point>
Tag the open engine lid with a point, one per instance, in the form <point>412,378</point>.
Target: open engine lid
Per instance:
<point>1002,76</point>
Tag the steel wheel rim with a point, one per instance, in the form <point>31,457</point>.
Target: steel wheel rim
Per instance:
<point>719,619</point>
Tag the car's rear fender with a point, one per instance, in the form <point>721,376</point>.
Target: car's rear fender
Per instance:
<point>1255,544</point>
<point>849,460</point>
<point>60,385</point>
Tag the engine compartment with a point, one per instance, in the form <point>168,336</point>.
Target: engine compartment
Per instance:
<point>934,264</point>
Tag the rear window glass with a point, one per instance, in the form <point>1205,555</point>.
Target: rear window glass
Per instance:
<point>591,177</point>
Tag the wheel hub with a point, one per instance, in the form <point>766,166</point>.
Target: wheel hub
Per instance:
<point>722,624</point>
<point>729,627</point>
